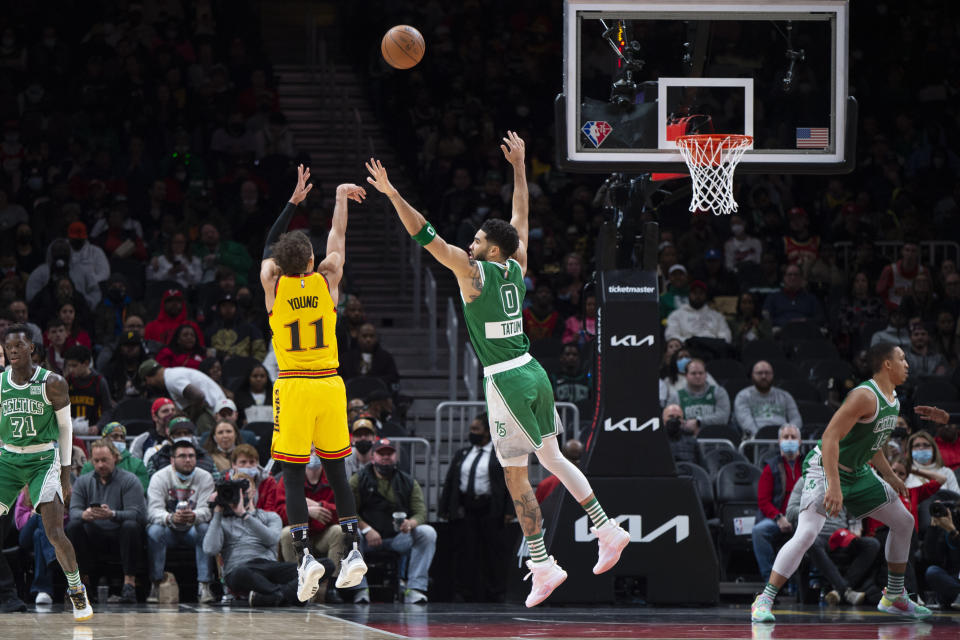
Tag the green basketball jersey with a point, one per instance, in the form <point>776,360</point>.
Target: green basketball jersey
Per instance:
<point>866,438</point>
<point>697,406</point>
<point>495,319</point>
<point>26,415</point>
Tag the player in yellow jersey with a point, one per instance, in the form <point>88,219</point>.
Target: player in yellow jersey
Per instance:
<point>309,398</point>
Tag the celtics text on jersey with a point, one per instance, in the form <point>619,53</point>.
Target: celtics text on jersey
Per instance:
<point>866,437</point>
<point>26,415</point>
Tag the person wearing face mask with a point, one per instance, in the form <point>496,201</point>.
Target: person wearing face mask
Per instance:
<point>740,248</point>
<point>86,256</point>
<point>326,539</point>
<point>245,463</point>
<point>382,490</point>
<point>363,432</point>
<point>116,433</point>
<point>780,472</point>
<point>696,319</point>
<point>683,443</point>
<point>922,453</point>
<point>116,305</point>
<point>107,514</point>
<point>949,445</point>
<point>178,515</point>
<point>476,501</point>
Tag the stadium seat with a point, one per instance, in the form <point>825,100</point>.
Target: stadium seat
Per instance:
<point>812,430</point>
<point>784,369</point>
<point>363,386</point>
<point>734,386</point>
<point>718,432</point>
<point>736,493</point>
<point>826,369</point>
<point>760,350</point>
<point>810,349</point>
<point>719,458</point>
<point>814,411</point>
<point>800,389</point>
<point>702,483</point>
<point>236,369</point>
<point>931,390</point>
<point>132,413</point>
<point>769,432</point>
<point>800,331</point>
<point>727,368</point>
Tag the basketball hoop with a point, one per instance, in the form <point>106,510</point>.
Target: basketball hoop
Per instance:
<point>712,159</point>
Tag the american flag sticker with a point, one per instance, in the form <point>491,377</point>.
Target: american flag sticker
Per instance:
<point>813,137</point>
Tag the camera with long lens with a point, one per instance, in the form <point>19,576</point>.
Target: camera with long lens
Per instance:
<point>230,493</point>
<point>941,509</point>
<point>673,426</point>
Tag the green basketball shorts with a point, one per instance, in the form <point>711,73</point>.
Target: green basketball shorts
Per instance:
<point>863,490</point>
<point>40,471</point>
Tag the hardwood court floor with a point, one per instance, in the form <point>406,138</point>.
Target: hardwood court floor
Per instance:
<point>381,622</point>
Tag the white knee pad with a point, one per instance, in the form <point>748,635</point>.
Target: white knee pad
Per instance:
<point>569,475</point>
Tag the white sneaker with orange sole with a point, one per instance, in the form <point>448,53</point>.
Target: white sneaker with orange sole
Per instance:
<point>547,576</point>
<point>613,540</point>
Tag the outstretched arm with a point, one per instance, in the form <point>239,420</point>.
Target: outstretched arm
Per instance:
<point>454,258</point>
<point>269,272</point>
<point>514,151</point>
<point>933,414</point>
<point>332,265</point>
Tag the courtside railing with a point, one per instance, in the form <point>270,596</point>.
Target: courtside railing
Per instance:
<point>759,448</point>
<point>452,425</point>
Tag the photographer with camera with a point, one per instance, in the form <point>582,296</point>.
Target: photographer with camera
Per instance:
<point>683,442</point>
<point>246,538</point>
<point>941,547</point>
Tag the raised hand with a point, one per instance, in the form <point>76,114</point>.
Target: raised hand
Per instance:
<point>513,149</point>
<point>378,177</point>
<point>303,188</point>
<point>352,191</point>
<point>933,414</point>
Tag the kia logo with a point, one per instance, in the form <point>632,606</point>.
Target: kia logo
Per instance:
<point>631,341</point>
<point>634,524</point>
<point>630,424</point>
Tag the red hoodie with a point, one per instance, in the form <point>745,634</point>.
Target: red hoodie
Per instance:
<point>163,327</point>
<point>322,493</point>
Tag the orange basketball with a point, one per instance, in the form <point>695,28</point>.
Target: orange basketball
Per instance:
<point>402,46</point>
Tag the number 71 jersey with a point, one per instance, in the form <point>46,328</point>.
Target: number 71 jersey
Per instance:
<point>304,324</point>
<point>26,415</point>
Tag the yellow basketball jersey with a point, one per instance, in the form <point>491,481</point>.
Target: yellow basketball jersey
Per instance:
<point>303,322</point>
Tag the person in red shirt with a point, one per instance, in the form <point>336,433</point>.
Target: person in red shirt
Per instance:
<point>172,315</point>
<point>896,278</point>
<point>780,473</point>
<point>325,540</point>
<point>916,495</point>
<point>183,349</point>
<point>949,445</point>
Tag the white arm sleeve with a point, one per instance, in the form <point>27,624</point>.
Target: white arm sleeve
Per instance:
<point>66,435</point>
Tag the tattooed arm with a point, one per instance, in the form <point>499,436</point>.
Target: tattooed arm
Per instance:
<point>454,258</point>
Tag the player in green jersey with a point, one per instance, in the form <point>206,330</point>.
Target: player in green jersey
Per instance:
<point>838,473</point>
<point>34,418</point>
<point>519,397</point>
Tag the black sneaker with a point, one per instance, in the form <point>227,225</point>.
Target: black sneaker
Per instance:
<point>12,605</point>
<point>260,600</point>
<point>128,595</point>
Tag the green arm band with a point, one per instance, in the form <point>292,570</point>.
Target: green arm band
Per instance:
<point>426,235</point>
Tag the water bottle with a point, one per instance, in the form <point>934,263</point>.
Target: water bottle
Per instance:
<point>103,592</point>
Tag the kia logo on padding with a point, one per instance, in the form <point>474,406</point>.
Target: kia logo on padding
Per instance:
<point>630,424</point>
<point>634,524</point>
<point>630,341</point>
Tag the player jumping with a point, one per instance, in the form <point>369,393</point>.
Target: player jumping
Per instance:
<point>837,473</point>
<point>34,417</point>
<point>309,398</point>
<point>518,393</point>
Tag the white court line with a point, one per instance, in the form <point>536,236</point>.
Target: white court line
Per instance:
<point>358,624</point>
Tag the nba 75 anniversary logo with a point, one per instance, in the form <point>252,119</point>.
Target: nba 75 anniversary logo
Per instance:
<point>596,131</point>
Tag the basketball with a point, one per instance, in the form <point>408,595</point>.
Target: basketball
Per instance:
<point>402,46</point>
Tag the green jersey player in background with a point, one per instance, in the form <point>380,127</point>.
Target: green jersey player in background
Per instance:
<point>837,473</point>
<point>34,417</point>
<point>519,397</point>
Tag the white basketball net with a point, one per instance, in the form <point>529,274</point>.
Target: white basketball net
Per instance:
<point>712,160</point>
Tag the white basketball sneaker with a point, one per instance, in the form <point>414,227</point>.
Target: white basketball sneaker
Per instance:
<point>309,574</point>
<point>81,604</point>
<point>352,569</point>
<point>547,576</point>
<point>613,540</point>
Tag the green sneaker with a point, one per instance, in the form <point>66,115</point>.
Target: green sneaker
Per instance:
<point>760,609</point>
<point>902,605</point>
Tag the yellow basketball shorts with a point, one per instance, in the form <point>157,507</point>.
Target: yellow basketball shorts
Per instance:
<point>309,414</point>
